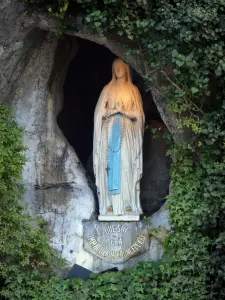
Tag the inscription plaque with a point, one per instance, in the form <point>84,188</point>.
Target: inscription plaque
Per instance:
<point>115,242</point>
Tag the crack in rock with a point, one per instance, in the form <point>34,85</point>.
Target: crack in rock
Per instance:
<point>65,185</point>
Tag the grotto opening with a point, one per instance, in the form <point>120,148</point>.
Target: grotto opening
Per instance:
<point>89,71</point>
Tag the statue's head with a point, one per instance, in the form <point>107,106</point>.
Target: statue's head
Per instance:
<point>120,69</point>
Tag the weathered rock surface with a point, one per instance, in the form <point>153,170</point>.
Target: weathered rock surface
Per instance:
<point>155,180</point>
<point>160,225</point>
<point>55,181</point>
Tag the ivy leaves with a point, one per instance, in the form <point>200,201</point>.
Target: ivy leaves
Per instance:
<point>197,210</point>
<point>23,243</point>
<point>140,282</point>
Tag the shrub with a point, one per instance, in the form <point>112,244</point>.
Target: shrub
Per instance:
<point>23,242</point>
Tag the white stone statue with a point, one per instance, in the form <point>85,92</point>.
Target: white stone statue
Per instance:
<point>117,151</point>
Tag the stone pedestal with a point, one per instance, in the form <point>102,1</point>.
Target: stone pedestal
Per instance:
<point>125,218</point>
<point>115,242</point>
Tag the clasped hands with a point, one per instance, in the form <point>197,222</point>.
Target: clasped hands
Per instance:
<point>118,110</point>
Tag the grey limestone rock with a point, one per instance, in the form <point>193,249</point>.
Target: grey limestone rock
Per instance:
<point>56,187</point>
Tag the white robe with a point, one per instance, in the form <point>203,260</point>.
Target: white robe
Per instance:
<point>131,154</point>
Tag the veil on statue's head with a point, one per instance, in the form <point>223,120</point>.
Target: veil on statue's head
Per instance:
<point>127,70</point>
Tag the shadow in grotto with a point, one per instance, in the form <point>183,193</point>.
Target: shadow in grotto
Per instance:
<point>88,73</point>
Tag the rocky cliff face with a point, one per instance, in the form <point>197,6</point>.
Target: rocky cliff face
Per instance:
<point>55,182</point>
<point>33,64</point>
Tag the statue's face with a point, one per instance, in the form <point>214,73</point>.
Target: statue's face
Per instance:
<point>119,69</point>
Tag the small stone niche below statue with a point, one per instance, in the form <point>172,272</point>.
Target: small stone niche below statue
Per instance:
<point>117,151</point>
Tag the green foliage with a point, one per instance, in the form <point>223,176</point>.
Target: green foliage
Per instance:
<point>141,282</point>
<point>23,243</point>
<point>196,256</point>
<point>11,165</point>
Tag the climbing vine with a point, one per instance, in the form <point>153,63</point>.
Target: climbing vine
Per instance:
<point>23,242</point>
<point>182,42</point>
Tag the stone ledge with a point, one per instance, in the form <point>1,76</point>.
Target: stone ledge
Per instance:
<point>125,218</point>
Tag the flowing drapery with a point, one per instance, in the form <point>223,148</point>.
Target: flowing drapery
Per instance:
<point>128,200</point>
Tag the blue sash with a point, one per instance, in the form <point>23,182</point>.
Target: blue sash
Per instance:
<point>114,158</point>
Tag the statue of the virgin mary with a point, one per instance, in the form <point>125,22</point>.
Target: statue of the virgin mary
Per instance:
<point>117,152</point>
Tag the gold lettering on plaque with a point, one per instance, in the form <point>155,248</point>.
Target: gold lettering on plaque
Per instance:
<point>116,254</point>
